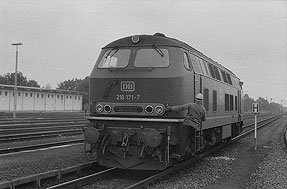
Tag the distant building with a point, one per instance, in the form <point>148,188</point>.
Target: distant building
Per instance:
<point>39,99</point>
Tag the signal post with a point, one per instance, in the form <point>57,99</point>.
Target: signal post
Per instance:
<point>255,111</point>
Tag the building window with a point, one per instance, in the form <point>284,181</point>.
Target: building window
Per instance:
<point>62,97</point>
<point>52,96</point>
<point>58,96</point>
<point>42,95</point>
<point>206,99</point>
<point>26,94</point>
<point>75,97</point>
<point>67,97</point>
<point>226,102</point>
<point>31,94</point>
<point>79,98</point>
<point>38,95</point>
<point>6,93</point>
<point>0,92</point>
<point>48,95</point>
<point>214,100</point>
<point>70,97</point>
<point>19,94</point>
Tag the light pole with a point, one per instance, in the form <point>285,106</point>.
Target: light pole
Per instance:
<point>15,82</point>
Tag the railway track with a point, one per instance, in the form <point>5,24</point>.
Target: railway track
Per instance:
<point>39,146</point>
<point>35,129</point>
<point>142,180</point>
<point>139,182</point>
<point>40,135</point>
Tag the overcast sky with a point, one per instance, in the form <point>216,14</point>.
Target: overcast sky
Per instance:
<point>62,39</point>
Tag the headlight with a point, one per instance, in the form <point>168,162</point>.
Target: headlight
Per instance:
<point>99,108</point>
<point>108,108</point>
<point>159,109</point>
<point>149,109</point>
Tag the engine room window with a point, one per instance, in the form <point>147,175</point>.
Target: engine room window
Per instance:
<point>206,99</point>
<point>214,100</point>
<point>185,61</point>
<point>231,102</point>
<point>235,103</point>
<point>115,58</point>
<point>226,102</point>
<point>201,63</point>
<point>155,58</point>
<point>224,76</point>
<point>195,63</point>
<point>210,66</point>
<point>228,78</point>
<point>217,75</point>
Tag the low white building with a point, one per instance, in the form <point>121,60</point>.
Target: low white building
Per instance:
<point>39,99</point>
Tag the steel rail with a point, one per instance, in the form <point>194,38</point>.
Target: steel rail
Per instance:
<point>28,136</point>
<point>29,124</point>
<point>82,180</point>
<point>41,177</point>
<point>37,119</point>
<point>261,121</point>
<point>43,128</point>
<point>7,151</point>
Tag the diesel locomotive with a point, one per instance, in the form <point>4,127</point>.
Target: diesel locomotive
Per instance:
<point>133,82</point>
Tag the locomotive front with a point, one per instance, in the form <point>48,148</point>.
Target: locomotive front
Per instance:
<point>133,81</point>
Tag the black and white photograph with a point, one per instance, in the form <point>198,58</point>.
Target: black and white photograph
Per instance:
<point>151,94</point>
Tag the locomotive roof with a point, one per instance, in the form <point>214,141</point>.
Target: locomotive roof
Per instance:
<point>159,39</point>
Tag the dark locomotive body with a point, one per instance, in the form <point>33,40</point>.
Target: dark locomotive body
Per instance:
<point>134,80</point>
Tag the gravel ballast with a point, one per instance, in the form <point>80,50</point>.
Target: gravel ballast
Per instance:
<point>23,164</point>
<point>239,165</point>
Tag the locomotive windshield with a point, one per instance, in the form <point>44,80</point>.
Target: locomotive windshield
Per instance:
<point>115,58</point>
<point>153,57</point>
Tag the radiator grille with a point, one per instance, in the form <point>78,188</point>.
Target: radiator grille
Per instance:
<point>137,109</point>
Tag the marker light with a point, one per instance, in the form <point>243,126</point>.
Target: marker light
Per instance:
<point>149,109</point>
<point>159,109</point>
<point>135,39</point>
<point>99,108</point>
<point>108,108</point>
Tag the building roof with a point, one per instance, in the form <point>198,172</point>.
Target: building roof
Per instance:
<point>35,89</point>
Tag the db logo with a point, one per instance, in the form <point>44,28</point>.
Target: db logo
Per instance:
<point>127,86</point>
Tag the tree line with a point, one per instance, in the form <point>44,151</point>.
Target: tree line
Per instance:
<point>82,85</point>
<point>264,105</point>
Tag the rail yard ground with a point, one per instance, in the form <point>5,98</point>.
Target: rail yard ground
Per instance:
<point>239,165</point>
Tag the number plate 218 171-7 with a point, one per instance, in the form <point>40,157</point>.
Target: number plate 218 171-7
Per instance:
<point>129,97</point>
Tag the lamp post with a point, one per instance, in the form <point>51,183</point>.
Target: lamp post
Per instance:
<point>15,82</point>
